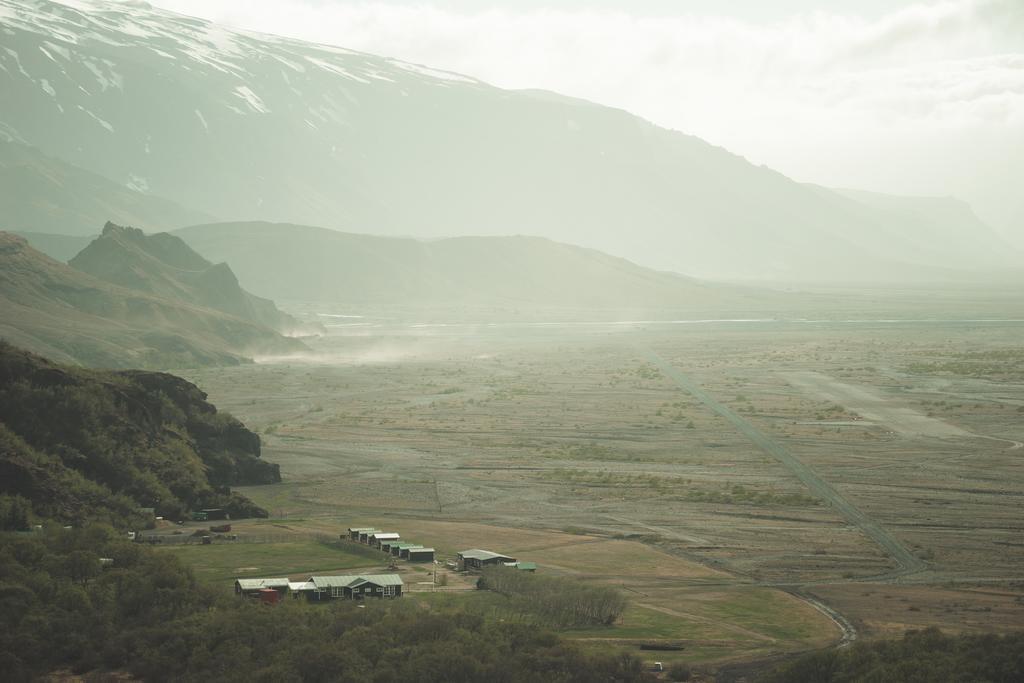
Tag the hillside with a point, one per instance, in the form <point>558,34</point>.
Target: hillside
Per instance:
<point>255,127</point>
<point>65,314</point>
<point>80,444</point>
<point>303,263</point>
<point>43,194</point>
<point>163,265</point>
<point>56,246</point>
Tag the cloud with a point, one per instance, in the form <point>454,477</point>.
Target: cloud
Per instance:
<point>803,95</point>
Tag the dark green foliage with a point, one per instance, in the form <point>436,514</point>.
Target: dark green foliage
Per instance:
<point>15,512</point>
<point>146,615</point>
<point>82,444</point>
<point>679,672</point>
<point>554,600</point>
<point>927,656</point>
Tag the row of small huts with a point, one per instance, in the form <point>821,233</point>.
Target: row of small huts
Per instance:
<point>391,542</point>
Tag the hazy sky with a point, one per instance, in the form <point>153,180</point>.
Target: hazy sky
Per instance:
<point>887,95</point>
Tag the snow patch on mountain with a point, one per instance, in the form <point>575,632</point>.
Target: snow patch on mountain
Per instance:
<point>432,73</point>
<point>137,183</point>
<point>106,78</point>
<point>252,99</point>
<point>97,119</point>
<point>335,69</point>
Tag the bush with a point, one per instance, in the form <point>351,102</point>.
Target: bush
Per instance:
<point>679,672</point>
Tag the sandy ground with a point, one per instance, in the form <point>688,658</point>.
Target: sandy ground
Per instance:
<point>571,446</point>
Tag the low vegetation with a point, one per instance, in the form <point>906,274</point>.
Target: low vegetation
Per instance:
<point>144,615</point>
<point>554,600</point>
<point>927,656</point>
<point>678,488</point>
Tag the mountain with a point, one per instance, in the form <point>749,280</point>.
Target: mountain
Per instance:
<point>68,315</point>
<point>80,443</point>
<point>931,231</point>
<point>255,127</point>
<point>41,193</point>
<point>303,263</point>
<point>164,266</point>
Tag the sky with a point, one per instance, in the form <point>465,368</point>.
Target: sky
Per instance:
<point>921,98</point>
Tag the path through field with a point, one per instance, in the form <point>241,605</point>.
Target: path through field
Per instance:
<point>907,561</point>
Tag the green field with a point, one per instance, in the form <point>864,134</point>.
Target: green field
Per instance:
<point>222,563</point>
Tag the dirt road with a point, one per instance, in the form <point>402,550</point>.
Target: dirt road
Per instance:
<point>907,561</point>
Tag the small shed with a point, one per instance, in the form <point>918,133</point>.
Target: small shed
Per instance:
<point>252,587</point>
<point>377,538</point>
<point>364,534</point>
<point>354,531</point>
<point>396,548</point>
<point>478,559</point>
<point>421,554</point>
<point>406,549</point>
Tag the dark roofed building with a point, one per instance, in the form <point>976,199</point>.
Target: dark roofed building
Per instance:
<point>478,559</point>
<point>404,550</point>
<point>420,554</point>
<point>355,587</point>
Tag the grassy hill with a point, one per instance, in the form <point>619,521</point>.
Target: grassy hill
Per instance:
<point>303,263</point>
<point>163,265</point>
<point>50,308</point>
<point>82,444</point>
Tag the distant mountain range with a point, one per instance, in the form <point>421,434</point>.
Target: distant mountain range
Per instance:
<point>184,116</point>
<point>109,320</point>
<point>303,263</point>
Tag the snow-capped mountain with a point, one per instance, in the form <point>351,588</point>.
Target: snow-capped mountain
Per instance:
<point>242,126</point>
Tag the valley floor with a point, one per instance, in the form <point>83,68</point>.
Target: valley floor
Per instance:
<point>757,488</point>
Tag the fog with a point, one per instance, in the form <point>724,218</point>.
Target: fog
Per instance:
<point>698,324</point>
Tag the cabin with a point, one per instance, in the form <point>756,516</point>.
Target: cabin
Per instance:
<point>251,588</point>
<point>385,546</point>
<point>364,534</point>
<point>376,539</point>
<point>421,554</point>
<point>396,548</point>
<point>355,587</point>
<point>353,532</point>
<point>404,551</point>
<point>477,559</point>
